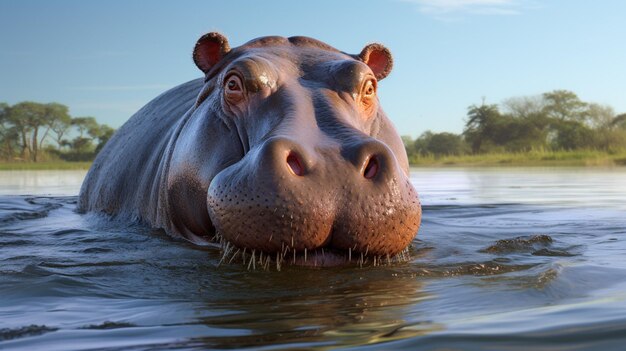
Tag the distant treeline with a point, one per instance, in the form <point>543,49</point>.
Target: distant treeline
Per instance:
<point>554,121</point>
<point>31,131</point>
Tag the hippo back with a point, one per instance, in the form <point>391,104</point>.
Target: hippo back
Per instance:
<point>126,174</point>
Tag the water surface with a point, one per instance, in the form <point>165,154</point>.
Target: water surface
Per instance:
<point>512,259</point>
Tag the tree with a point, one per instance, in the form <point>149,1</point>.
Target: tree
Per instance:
<point>564,105</point>
<point>34,128</point>
<point>600,118</point>
<point>571,135</point>
<point>420,145</point>
<point>4,111</point>
<point>520,134</point>
<point>87,125</point>
<point>33,122</point>
<point>8,133</point>
<point>82,146</point>
<point>59,121</point>
<point>409,146</point>
<point>619,121</point>
<point>524,107</point>
<point>618,132</point>
<point>480,126</point>
<point>105,133</point>
<point>446,144</point>
<point>28,117</point>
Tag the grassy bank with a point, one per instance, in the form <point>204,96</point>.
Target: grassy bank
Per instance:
<point>580,158</point>
<point>48,165</point>
<point>590,158</point>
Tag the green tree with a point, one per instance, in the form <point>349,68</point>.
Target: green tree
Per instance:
<point>564,105</point>
<point>572,135</point>
<point>104,134</point>
<point>600,118</point>
<point>618,129</point>
<point>86,125</point>
<point>82,146</point>
<point>445,144</point>
<point>524,107</point>
<point>33,129</point>
<point>8,133</point>
<point>420,145</point>
<point>28,117</point>
<point>409,146</point>
<point>33,122</point>
<point>481,126</point>
<point>59,121</point>
<point>528,125</point>
<point>619,121</point>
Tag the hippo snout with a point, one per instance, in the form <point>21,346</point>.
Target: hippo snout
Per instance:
<point>284,195</point>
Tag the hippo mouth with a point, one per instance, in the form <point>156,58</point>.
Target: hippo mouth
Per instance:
<point>328,213</point>
<point>316,258</point>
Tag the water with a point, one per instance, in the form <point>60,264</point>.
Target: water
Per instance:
<point>513,259</point>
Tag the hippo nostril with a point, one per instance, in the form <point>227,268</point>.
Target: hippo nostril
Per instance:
<point>372,168</point>
<point>294,164</point>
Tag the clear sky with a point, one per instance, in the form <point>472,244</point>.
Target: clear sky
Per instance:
<point>107,59</point>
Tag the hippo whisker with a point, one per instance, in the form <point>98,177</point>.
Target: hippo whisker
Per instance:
<point>233,257</point>
<point>268,259</point>
<point>225,253</point>
<point>265,260</point>
<point>251,261</point>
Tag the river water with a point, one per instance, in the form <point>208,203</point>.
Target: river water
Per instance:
<point>513,259</point>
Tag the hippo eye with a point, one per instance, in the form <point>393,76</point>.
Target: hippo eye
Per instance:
<point>233,90</point>
<point>233,83</point>
<point>368,93</point>
<point>369,89</point>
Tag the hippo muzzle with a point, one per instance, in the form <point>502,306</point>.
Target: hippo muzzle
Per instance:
<point>283,197</point>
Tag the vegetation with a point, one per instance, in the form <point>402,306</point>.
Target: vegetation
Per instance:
<point>530,158</point>
<point>36,132</point>
<point>553,128</point>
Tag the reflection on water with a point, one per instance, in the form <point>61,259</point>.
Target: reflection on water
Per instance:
<point>41,182</point>
<point>506,259</point>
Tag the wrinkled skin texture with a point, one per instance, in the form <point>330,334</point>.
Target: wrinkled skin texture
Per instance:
<point>282,144</point>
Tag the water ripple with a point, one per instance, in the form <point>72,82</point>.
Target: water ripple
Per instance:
<point>490,269</point>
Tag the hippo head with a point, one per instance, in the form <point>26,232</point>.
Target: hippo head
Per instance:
<point>287,151</point>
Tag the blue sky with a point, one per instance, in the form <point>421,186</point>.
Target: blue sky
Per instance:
<point>107,59</point>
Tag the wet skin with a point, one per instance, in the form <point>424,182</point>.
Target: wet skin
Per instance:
<point>282,148</point>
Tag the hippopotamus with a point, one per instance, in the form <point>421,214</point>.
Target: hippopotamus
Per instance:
<point>281,149</point>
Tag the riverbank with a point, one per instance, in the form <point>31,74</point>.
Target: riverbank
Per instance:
<point>43,166</point>
<point>589,158</point>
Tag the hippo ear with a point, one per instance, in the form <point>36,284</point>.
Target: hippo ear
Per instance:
<point>378,58</point>
<point>209,50</point>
